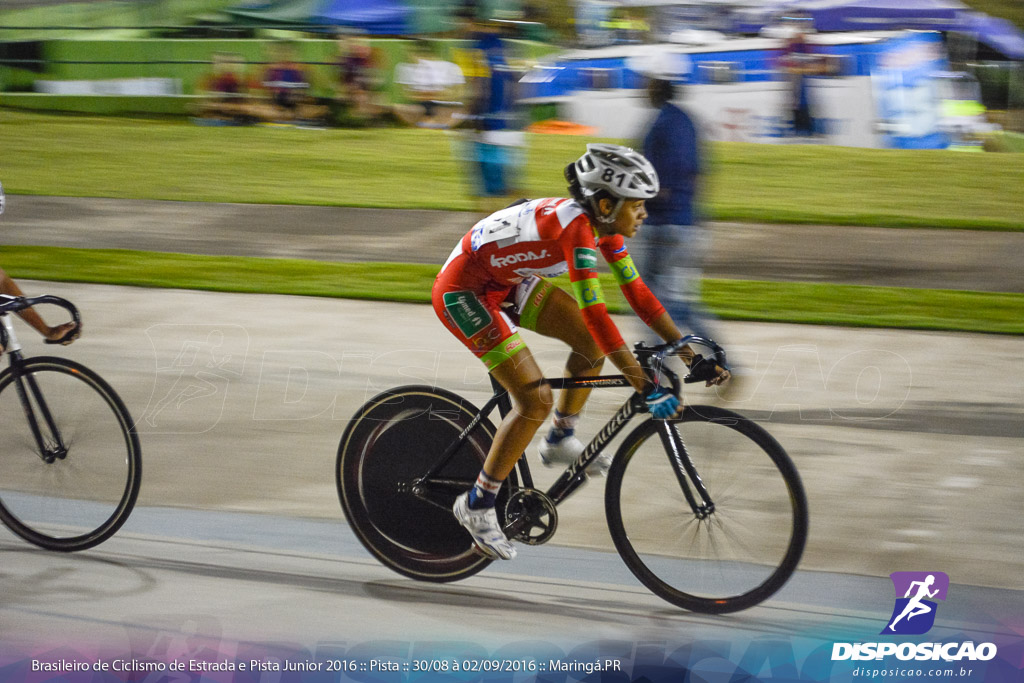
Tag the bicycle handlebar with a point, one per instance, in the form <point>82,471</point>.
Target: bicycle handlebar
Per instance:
<point>13,304</point>
<point>652,358</point>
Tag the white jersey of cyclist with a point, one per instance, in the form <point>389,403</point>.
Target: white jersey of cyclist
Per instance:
<point>519,225</point>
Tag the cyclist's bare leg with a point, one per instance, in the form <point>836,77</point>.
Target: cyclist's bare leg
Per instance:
<point>558,316</point>
<point>531,405</point>
<point>531,399</point>
<point>561,318</point>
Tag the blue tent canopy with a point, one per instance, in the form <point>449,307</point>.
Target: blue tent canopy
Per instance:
<point>863,15</point>
<point>384,17</point>
<point>380,17</point>
<point>999,34</point>
<point>870,15</point>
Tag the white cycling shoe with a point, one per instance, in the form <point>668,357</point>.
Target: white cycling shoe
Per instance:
<point>564,452</point>
<point>483,526</point>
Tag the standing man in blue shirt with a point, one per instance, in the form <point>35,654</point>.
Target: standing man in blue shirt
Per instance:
<point>672,241</point>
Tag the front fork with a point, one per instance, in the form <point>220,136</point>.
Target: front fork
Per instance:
<point>686,474</point>
<point>51,449</point>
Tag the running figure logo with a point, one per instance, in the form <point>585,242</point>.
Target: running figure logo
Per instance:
<point>914,613</point>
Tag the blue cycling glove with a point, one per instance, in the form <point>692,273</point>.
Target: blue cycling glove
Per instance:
<point>662,403</point>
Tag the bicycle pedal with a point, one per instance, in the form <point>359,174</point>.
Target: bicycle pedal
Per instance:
<point>480,550</point>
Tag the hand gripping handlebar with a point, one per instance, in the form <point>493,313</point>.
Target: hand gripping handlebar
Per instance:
<point>13,304</point>
<point>652,359</point>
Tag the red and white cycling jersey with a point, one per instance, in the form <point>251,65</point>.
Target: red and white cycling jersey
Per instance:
<point>546,238</point>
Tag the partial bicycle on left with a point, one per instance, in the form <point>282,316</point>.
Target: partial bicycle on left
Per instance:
<point>70,460</point>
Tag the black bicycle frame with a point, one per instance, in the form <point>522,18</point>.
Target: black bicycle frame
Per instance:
<point>652,359</point>
<point>575,473</point>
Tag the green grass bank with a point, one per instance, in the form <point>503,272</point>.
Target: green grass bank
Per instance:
<point>172,159</point>
<point>847,305</point>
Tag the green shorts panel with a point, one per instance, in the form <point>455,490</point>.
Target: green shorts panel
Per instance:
<point>533,306</point>
<point>503,351</point>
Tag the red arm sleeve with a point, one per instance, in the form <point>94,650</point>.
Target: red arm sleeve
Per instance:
<point>580,252</point>
<point>640,298</point>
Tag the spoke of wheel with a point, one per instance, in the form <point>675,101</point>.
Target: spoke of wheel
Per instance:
<point>732,536</point>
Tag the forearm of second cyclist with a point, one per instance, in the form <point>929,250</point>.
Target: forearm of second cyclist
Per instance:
<point>10,287</point>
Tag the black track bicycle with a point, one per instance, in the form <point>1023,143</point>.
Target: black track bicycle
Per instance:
<point>70,462</point>
<point>707,510</point>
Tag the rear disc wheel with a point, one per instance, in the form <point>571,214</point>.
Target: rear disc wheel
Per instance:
<point>391,442</point>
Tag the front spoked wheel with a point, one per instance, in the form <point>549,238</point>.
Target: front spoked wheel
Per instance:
<point>70,462</point>
<point>404,520</point>
<point>721,559</point>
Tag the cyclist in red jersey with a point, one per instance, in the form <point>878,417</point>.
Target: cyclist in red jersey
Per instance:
<point>496,274</point>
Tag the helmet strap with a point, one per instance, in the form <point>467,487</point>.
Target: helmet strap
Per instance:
<point>610,218</point>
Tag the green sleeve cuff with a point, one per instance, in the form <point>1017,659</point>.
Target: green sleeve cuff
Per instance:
<point>624,271</point>
<point>588,292</point>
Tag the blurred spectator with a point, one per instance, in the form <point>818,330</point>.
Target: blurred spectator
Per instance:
<point>358,80</point>
<point>626,26</point>
<point>496,146</point>
<point>288,90</point>
<point>434,87</point>
<point>226,91</point>
<point>591,22</point>
<point>672,242</point>
<point>799,62</point>
<point>536,22</point>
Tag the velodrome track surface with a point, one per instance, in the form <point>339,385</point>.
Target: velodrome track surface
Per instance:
<point>909,444</point>
<point>911,458</point>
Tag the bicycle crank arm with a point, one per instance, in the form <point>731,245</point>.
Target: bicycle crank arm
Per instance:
<point>437,492</point>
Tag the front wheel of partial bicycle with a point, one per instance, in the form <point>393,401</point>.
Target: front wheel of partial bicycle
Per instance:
<point>731,559</point>
<point>79,488</point>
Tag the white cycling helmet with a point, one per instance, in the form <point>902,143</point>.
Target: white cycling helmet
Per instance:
<point>620,171</point>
